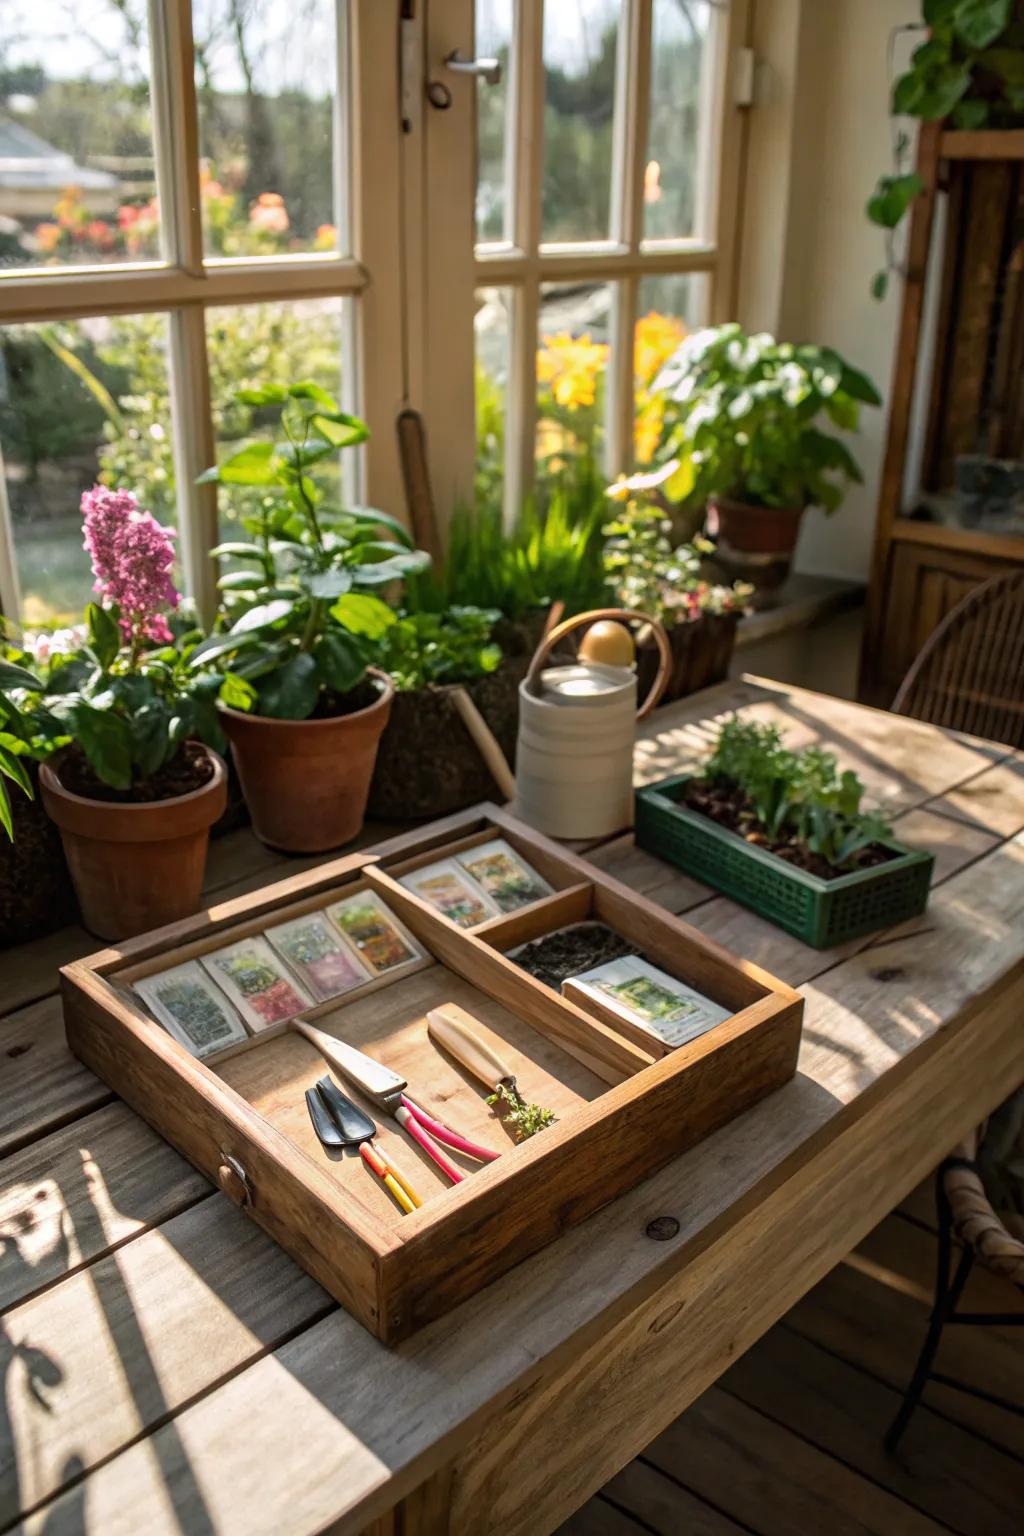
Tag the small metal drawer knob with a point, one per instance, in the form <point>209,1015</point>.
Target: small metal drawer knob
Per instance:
<point>234,1181</point>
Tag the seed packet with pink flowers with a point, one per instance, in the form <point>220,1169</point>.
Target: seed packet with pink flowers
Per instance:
<point>257,982</point>
<point>318,955</point>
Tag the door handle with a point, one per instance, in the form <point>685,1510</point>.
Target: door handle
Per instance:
<point>487,70</point>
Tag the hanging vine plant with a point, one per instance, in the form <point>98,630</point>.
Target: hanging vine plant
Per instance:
<point>969,70</point>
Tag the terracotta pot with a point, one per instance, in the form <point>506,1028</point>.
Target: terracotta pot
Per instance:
<point>135,867</point>
<point>306,781</point>
<point>755,544</point>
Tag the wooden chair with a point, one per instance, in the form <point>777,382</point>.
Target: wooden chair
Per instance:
<point>969,675</point>
<point>965,1213</point>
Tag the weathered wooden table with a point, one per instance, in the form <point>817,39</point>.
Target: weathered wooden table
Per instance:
<point>166,1368</point>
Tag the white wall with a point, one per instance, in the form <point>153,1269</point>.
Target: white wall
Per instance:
<point>819,138</point>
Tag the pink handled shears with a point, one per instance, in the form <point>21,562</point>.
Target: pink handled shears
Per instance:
<point>386,1089</point>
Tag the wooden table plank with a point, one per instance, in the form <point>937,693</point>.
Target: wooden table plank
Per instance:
<point>96,1372</point>
<point>992,801</point>
<point>44,1085</point>
<point>87,1188</point>
<point>374,1421</point>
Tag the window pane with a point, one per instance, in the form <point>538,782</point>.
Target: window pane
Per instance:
<point>492,327</point>
<point>257,344</point>
<point>669,308</point>
<point>675,191</point>
<point>572,367</point>
<point>77,174</point>
<point>265,78</point>
<point>79,402</point>
<point>580,44</point>
<point>493,196</point>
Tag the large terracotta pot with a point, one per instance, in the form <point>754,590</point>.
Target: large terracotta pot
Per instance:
<point>306,781</point>
<point>135,867</point>
<point>755,544</point>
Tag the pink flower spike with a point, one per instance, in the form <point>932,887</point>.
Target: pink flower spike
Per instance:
<point>132,558</point>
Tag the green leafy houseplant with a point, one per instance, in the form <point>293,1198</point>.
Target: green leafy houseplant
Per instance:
<point>424,648</point>
<point>746,418</point>
<point>301,618</point>
<point>969,71</point>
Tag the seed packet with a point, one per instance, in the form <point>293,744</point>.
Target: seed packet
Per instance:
<point>447,887</point>
<point>188,1005</point>
<point>503,875</point>
<point>318,955</point>
<point>375,933</point>
<point>649,999</point>
<point>257,982</point>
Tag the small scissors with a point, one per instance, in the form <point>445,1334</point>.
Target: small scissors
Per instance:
<point>386,1089</point>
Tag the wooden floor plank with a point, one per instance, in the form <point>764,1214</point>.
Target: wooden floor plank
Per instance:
<point>115,1349</point>
<point>942,1469</point>
<point>598,1517</point>
<point>769,1479</point>
<point>74,1195</point>
<point>44,1086</point>
<point>872,1310</point>
<point>662,1505</point>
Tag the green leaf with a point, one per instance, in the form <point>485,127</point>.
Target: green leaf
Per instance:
<point>263,616</point>
<point>290,691</point>
<point>267,394</point>
<point>941,93</point>
<point>1008,63</point>
<point>308,389</point>
<point>330,583</point>
<point>340,661</point>
<point>236,693</point>
<point>11,767</point>
<point>340,429</point>
<point>238,551</point>
<point>880,285</point>
<point>361,614</point>
<point>106,741</point>
<point>936,11</point>
<point>239,581</point>
<point>906,94</point>
<point>6,819</point>
<point>892,197</point>
<point>255,464</point>
<point>979,22</point>
<point>150,737</point>
<point>379,563</point>
<point>104,634</point>
<point>970,114</point>
<point>858,386</point>
<point>18,677</point>
<point>372,519</point>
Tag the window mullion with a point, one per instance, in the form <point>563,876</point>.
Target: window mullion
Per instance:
<point>528,167</point>
<point>629,158</point>
<point>176,127</point>
<point>10,587</point>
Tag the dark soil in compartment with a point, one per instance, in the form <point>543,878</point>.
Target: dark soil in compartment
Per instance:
<point>723,802</point>
<point>570,951</point>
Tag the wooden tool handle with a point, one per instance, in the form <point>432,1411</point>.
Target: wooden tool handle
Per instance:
<point>452,1027</point>
<point>372,1076</point>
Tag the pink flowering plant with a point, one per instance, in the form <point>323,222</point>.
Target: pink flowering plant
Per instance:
<point>120,691</point>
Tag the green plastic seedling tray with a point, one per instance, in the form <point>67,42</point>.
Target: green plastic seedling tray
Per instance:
<point>822,913</point>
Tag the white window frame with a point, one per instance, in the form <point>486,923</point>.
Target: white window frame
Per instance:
<point>455,269</point>
<point>184,286</point>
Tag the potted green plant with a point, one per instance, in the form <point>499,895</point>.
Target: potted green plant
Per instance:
<point>302,627</point>
<point>648,573</point>
<point>969,72</point>
<point>746,431</point>
<point>785,833</point>
<point>120,727</point>
<point>428,764</point>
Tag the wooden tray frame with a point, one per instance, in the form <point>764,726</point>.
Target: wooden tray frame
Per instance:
<point>394,1279</point>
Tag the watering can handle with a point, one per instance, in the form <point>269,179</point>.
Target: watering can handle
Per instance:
<point>624,616</point>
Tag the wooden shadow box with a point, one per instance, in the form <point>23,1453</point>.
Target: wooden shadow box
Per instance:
<point>241,1116</point>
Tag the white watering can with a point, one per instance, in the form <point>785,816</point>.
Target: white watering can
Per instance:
<point>577,726</point>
